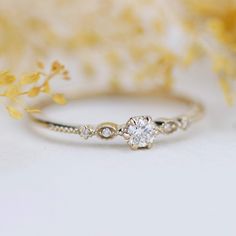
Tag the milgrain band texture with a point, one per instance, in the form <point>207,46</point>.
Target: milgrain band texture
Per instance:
<point>138,131</point>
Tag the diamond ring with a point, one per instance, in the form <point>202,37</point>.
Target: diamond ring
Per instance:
<point>139,131</point>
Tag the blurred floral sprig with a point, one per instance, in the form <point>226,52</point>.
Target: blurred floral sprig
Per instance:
<point>122,41</point>
<point>213,22</point>
<point>14,91</point>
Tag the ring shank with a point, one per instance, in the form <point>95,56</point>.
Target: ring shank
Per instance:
<point>194,113</point>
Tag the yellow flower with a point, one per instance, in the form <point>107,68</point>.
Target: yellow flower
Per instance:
<point>16,90</point>
<point>14,113</point>
<point>30,79</point>
<point>6,78</point>
<point>59,99</point>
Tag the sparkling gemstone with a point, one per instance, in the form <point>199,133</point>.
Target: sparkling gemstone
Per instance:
<point>140,132</point>
<point>86,131</point>
<point>169,127</point>
<point>183,122</point>
<point>106,132</point>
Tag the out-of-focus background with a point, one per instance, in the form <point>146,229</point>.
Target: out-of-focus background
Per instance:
<point>59,185</point>
<point>128,44</point>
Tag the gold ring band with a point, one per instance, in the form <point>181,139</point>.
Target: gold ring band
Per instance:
<point>139,131</point>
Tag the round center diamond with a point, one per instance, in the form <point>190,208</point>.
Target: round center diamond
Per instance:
<point>140,132</point>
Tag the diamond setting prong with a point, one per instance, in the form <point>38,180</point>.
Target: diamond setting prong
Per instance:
<point>149,146</point>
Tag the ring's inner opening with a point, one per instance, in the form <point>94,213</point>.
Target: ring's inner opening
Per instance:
<point>114,109</point>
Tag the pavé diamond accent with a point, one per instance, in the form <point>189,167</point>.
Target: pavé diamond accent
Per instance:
<point>140,132</point>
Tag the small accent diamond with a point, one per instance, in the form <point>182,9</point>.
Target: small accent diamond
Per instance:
<point>86,131</point>
<point>183,122</point>
<point>169,127</point>
<point>106,132</point>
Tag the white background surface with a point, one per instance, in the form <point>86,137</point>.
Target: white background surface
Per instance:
<point>184,186</point>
